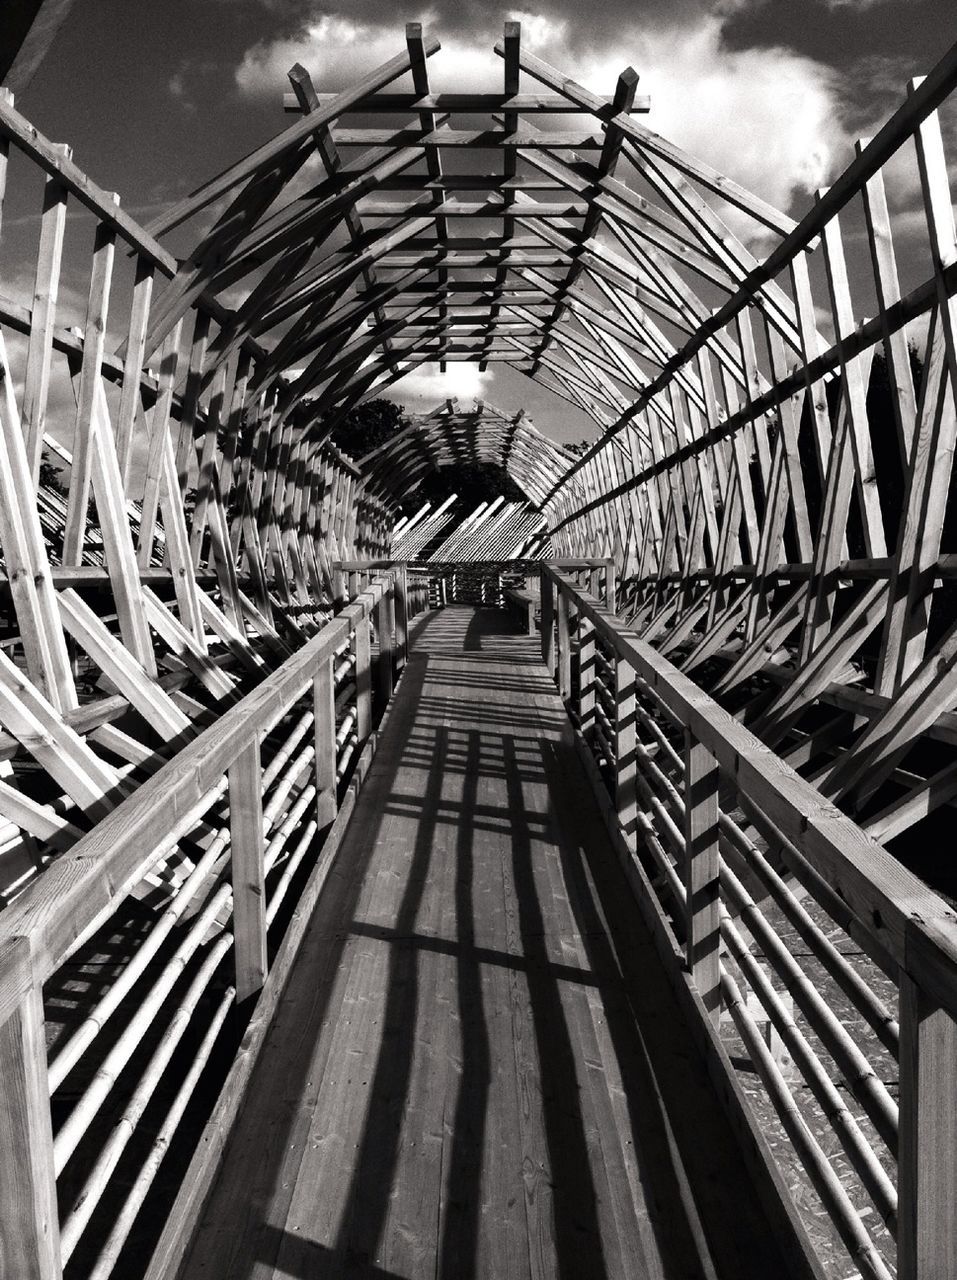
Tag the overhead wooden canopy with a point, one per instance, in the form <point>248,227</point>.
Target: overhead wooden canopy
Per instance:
<point>549,230</point>
<point>450,437</point>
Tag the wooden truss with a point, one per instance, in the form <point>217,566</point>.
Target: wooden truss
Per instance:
<point>767,533</point>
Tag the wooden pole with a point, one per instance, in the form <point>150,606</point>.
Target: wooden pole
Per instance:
<point>927,1156</point>
<point>324,725</point>
<point>586,676</point>
<point>401,616</point>
<point>548,622</point>
<point>701,872</point>
<point>564,647</point>
<point>626,759</point>
<point>30,1239</point>
<point>361,649</point>
<point>384,668</point>
<point>248,851</point>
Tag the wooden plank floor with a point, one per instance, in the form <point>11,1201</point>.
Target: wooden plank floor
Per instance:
<point>477,1069</point>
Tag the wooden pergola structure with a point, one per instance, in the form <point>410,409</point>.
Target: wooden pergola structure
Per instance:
<point>774,522</point>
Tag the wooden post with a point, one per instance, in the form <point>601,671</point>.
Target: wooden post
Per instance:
<point>338,589</point>
<point>586,676</point>
<point>702,781</point>
<point>927,1156</point>
<point>626,757</point>
<point>383,624</point>
<point>548,623</point>
<point>248,850</point>
<point>361,649</point>
<point>29,1230</point>
<point>564,647</point>
<point>324,710</point>
<point>401,616</point>
<point>611,587</point>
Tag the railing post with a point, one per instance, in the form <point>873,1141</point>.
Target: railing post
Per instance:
<point>29,1228</point>
<point>626,757</point>
<point>548,623</point>
<point>362,650</point>
<point>383,624</point>
<point>564,647</point>
<point>401,616</point>
<point>611,587</point>
<point>324,728</point>
<point>247,843</point>
<point>702,782</point>
<point>338,588</point>
<point>586,676</point>
<point>927,1154</point>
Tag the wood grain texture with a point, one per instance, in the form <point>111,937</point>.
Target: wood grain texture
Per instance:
<point>457,1081</point>
<point>29,1242</point>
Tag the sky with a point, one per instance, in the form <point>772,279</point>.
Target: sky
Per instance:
<point>155,97</point>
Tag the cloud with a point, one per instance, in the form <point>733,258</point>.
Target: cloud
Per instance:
<point>426,387</point>
<point>337,50</point>
<point>767,117</point>
<point>177,89</point>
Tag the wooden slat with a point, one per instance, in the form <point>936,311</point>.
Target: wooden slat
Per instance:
<point>702,782</point>
<point>248,877</point>
<point>29,1242</point>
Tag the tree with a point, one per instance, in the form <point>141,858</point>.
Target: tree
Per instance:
<point>50,475</point>
<point>368,425</point>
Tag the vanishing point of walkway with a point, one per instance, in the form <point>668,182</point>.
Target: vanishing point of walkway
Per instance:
<point>477,1069</point>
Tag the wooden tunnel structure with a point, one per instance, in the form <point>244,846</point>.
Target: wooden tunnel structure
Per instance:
<point>745,588</point>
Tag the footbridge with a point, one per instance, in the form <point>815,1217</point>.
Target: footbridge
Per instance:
<point>562,889</point>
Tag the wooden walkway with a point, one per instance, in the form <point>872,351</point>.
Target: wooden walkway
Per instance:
<point>477,1069</point>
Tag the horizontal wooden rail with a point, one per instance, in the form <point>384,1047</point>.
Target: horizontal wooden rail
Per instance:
<point>676,772</point>
<point>316,712</point>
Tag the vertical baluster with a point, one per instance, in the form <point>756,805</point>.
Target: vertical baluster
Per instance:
<point>927,1155</point>
<point>564,647</point>
<point>29,1230</point>
<point>611,587</point>
<point>324,709</point>
<point>248,851</point>
<point>361,649</point>
<point>586,676</point>
<point>401,616</point>
<point>701,871</point>
<point>383,623</point>
<point>626,758</point>
<point>548,623</point>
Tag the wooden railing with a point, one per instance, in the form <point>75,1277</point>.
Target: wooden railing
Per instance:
<point>256,802</point>
<point>796,942</point>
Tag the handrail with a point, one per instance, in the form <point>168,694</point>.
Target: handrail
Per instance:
<point>890,901</point>
<point>61,907</point>
<point>675,772</point>
<point>241,868</point>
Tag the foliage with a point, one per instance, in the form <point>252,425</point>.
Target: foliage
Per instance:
<point>372,424</point>
<point>369,425</point>
<point>51,477</point>
<point>473,482</point>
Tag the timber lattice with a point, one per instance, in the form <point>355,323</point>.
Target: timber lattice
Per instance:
<point>201,630</point>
